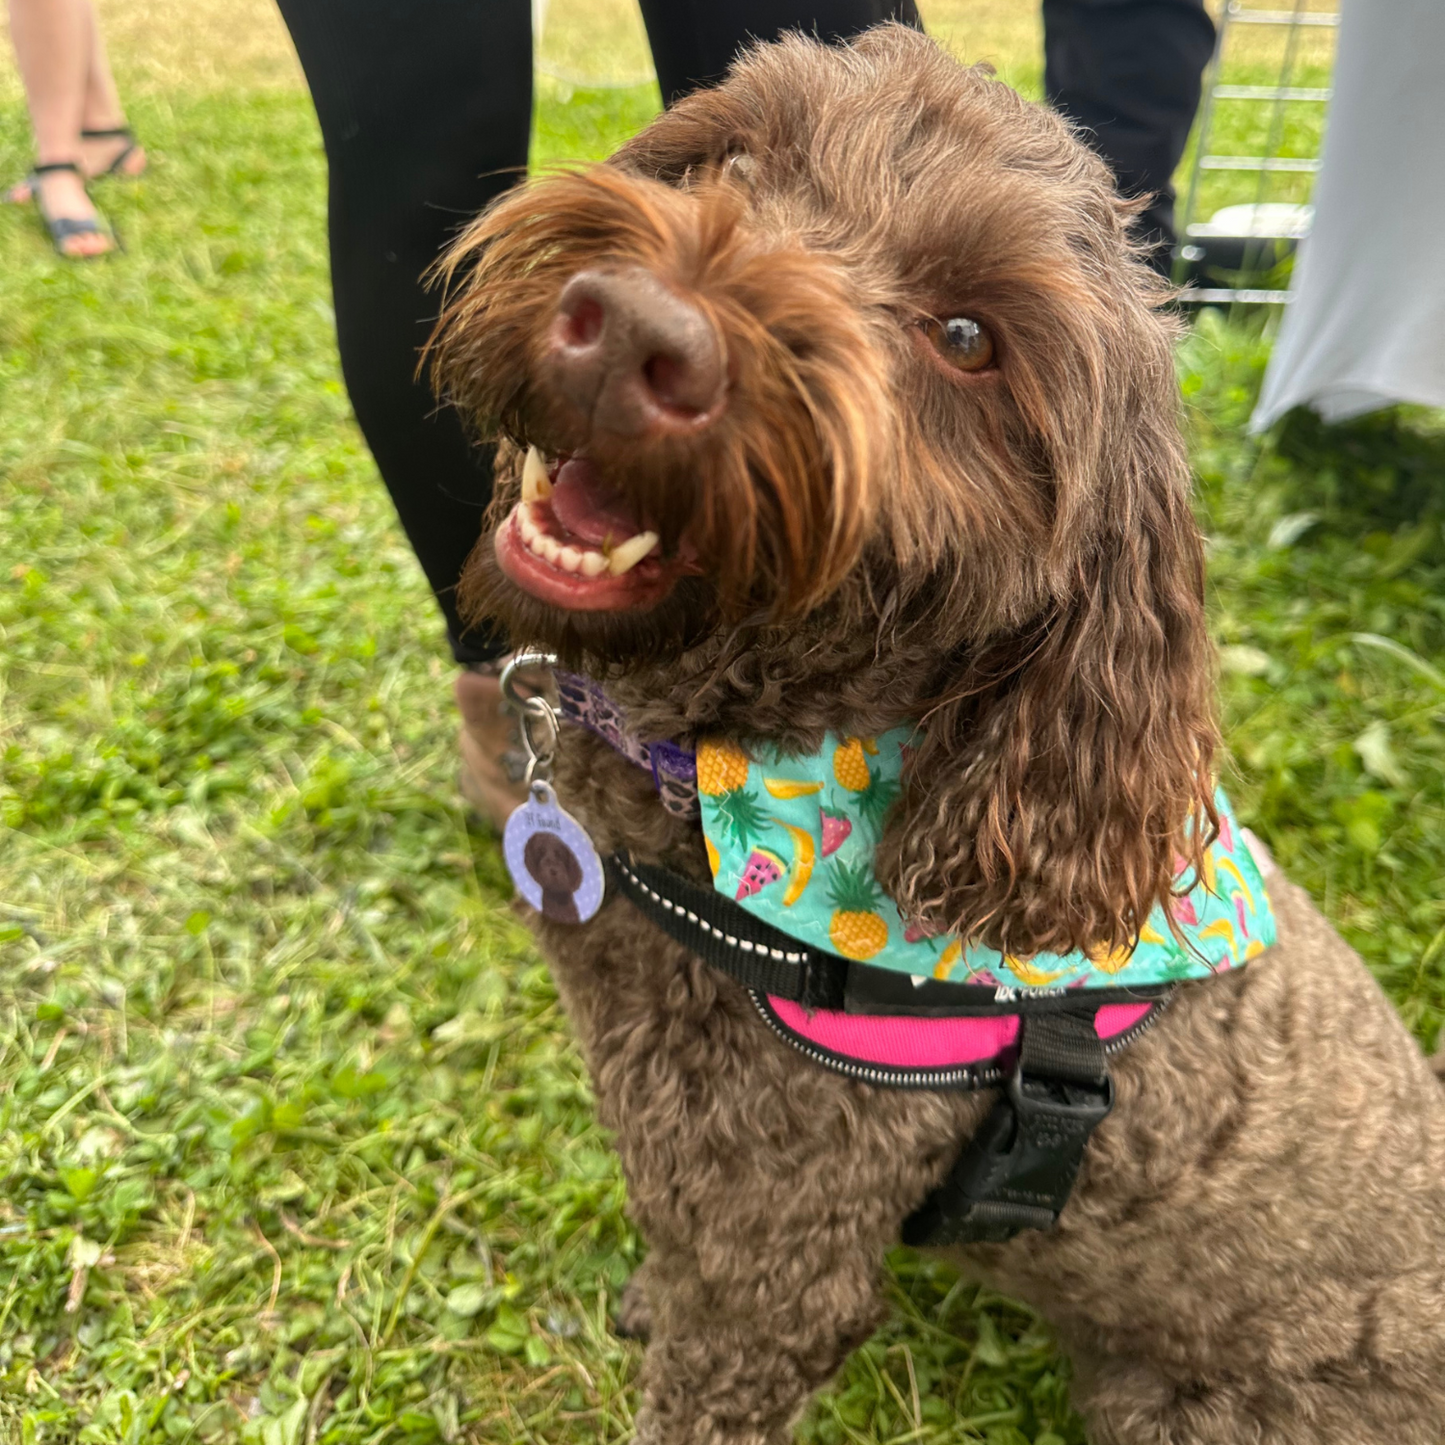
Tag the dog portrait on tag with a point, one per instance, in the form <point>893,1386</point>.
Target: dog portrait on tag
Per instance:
<point>551,859</point>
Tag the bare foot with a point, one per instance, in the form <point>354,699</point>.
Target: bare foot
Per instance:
<point>63,197</point>
<point>493,762</point>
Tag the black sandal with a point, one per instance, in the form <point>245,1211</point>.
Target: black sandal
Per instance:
<point>115,170</point>
<point>116,167</point>
<point>63,228</point>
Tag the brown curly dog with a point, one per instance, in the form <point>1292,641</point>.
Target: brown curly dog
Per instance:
<point>859,411</point>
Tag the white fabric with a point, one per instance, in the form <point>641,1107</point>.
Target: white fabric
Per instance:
<point>1367,326</point>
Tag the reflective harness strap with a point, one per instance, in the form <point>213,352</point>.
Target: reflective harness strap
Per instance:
<point>729,938</point>
<point>758,955</point>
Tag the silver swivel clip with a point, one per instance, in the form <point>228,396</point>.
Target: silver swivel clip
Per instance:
<point>553,862</point>
<point>536,717</point>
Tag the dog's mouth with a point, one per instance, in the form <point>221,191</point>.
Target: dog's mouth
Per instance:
<point>574,542</point>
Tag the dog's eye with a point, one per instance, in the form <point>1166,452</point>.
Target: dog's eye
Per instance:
<point>740,166</point>
<point>961,341</point>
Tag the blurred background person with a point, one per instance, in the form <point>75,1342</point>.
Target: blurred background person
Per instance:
<point>1129,73</point>
<point>80,127</point>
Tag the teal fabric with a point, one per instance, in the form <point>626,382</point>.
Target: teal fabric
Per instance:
<point>792,839</point>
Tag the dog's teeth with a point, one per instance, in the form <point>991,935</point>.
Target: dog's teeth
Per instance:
<point>536,484</point>
<point>531,526</point>
<point>631,552</point>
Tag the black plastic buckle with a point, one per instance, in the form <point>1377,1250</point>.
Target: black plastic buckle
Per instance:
<point>1019,1168</point>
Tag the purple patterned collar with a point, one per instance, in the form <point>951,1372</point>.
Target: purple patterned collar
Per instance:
<point>673,769</point>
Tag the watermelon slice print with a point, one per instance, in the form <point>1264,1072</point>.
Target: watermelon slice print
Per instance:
<point>761,869</point>
<point>836,828</point>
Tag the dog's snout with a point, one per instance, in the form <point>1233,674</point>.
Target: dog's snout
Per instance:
<point>633,356</point>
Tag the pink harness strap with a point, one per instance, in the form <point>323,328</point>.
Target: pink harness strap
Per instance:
<point>927,1043</point>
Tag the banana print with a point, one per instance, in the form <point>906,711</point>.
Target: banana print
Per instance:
<point>950,956</point>
<point>786,788</point>
<point>1111,961</point>
<point>1220,928</point>
<point>805,854</point>
<point>1026,973</point>
<point>1228,865</point>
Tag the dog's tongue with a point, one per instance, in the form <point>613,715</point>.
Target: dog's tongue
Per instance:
<point>587,508</point>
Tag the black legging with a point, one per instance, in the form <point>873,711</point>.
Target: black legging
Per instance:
<point>425,108</point>
<point>1128,71</point>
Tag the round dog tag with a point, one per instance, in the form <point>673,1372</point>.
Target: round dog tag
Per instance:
<point>552,860</point>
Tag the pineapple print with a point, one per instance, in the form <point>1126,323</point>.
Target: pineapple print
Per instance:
<point>850,763</point>
<point>856,930</point>
<point>722,777</point>
<point>874,793</point>
<point>722,767</point>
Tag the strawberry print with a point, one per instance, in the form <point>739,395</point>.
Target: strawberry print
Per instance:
<point>836,829</point>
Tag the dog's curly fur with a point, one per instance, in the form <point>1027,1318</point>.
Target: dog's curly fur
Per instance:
<point>1256,1247</point>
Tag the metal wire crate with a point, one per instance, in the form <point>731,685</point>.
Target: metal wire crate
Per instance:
<point>1247,239</point>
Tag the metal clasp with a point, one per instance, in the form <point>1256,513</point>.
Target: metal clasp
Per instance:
<point>536,716</point>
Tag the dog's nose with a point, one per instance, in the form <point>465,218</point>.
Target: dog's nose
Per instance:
<point>634,357</point>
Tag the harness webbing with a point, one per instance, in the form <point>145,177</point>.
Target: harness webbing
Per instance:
<point>750,950</point>
<point>729,938</point>
<point>1020,1166</point>
<point>1018,1169</point>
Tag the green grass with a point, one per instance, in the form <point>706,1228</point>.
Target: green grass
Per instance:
<point>293,1143</point>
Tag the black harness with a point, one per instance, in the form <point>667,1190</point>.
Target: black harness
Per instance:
<point>1020,1166</point>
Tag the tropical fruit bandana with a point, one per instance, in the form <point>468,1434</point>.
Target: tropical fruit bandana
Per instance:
<point>792,840</point>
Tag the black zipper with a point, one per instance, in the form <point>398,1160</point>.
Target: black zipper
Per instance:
<point>1121,1041</point>
<point>961,1076</point>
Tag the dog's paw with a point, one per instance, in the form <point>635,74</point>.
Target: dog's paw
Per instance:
<point>633,1320</point>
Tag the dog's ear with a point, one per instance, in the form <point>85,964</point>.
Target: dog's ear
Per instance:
<point>1064,770</point>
